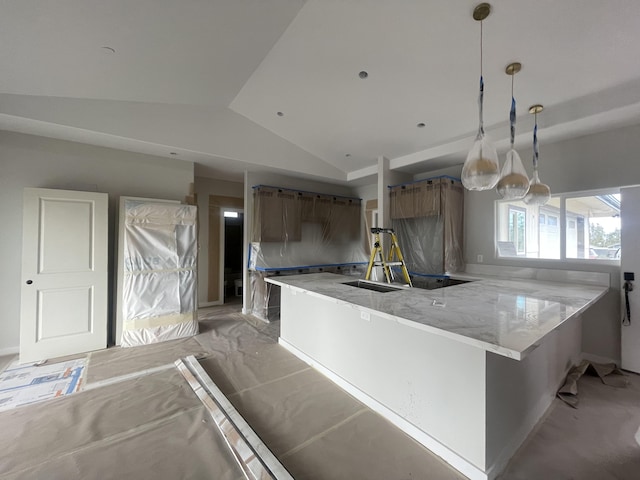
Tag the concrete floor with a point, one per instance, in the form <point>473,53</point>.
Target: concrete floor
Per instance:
<point>315,429</point>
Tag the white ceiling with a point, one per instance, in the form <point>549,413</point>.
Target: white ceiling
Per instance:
<point>205,79</point>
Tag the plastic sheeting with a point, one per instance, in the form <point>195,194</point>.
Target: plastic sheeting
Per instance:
<point>293,228</point>
<point>428,219</point>
<point>296,232</point>
<point>265,297</point>
<point>159,285</point>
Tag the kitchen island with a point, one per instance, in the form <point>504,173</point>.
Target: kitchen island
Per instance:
<point>466,370</point>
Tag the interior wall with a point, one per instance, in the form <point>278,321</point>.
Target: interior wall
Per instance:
<point>204,188</point>
<point>454,171</point>
<point>602,160</point>
<point>32,161</point>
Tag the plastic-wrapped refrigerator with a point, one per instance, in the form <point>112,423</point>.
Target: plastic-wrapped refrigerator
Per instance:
<point>157,260</point>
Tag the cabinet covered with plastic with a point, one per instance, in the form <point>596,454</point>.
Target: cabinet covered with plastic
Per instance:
<point>295,232</point>
<point>427,216</point>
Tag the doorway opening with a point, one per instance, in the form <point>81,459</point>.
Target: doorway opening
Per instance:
<point>232,231</point>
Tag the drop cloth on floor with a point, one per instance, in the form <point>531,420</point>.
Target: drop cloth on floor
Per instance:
<point>118,361</point>
<point>593,442</point>
<point>150,427</point>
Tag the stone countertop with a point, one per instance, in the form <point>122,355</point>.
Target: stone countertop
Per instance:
<point>509,317</point>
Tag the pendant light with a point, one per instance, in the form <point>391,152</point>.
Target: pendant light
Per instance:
<point>481,169</point>
<point>513,183</point>
<point>539,193</point>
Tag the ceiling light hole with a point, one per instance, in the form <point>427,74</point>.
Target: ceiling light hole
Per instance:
<point>108,50</point>
<point>347,155</point>
<point>363,74</point>
<point>421,125</point>
<point>280,114</point>
<point>173,153</point>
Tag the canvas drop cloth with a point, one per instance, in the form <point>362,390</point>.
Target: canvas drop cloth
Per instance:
<point>608,373</point>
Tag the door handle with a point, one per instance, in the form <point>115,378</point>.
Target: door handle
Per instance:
<point>29,282</point>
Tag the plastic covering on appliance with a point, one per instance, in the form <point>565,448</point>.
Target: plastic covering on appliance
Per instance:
<point>299,232</point>
<point>159,285</point>
<point>428,219</point>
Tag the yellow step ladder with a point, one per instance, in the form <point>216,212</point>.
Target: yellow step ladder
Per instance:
<point>377,256</point>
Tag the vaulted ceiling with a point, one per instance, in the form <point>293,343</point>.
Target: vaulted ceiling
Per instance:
<point>275,85</point>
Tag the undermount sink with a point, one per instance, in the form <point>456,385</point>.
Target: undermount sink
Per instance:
<point>376,287</point>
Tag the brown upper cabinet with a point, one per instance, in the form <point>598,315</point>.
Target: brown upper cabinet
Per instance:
<point>279,214</point>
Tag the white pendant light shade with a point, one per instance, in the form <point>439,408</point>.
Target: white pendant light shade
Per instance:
<point>514,182</point>
<point>481,169</point>
<point>539,193</point>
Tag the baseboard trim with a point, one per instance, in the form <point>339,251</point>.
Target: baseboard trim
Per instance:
<point>452,458</point>
<point>9,351</point>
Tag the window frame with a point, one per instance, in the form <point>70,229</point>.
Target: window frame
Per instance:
<point>561,224</point>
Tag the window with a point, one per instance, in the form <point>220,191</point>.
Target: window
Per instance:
<point>230,214</point>
<point>589,223</point>
<point>597,232</point>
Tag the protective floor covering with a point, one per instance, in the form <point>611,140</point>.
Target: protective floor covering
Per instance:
<point>597,441</point>
<point>153,426</point>
<point>119,361</point>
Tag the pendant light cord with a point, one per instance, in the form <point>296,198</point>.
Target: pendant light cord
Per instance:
<point>512,114</point>
<point>480,48</point>
<point>535,142</point>
<point>481,94</point>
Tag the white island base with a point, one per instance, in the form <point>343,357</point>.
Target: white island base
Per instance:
<point>468,405</point>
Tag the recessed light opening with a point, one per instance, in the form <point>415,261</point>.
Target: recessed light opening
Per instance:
<point>363,74</point>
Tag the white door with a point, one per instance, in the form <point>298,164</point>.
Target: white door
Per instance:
<point>64,273</point>
<point>630,262</point>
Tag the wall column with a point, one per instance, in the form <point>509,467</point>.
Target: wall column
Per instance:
<point>384,218</point>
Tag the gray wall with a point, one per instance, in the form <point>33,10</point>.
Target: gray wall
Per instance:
<point>31,161</point>
<point>603,160</point>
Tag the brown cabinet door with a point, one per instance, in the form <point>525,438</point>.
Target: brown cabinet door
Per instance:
<point>402,200</point>
<point>276,216</point>
<point>345,220</point>
<point>427,198</point>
